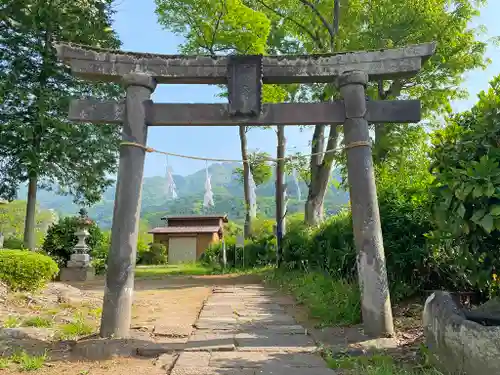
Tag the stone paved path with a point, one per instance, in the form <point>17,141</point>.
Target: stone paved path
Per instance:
<point>242,330</point>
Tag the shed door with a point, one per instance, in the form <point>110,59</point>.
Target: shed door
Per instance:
<point>181,250</point>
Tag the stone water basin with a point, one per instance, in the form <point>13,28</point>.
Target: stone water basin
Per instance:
<point>457,342</point>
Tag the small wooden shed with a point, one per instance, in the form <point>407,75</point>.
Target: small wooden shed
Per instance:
<point>187,237</point>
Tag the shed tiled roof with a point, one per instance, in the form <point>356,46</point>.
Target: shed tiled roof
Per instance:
<point>186,229</point>
<point>195,217</point>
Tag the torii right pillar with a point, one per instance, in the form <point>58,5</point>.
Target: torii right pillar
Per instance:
<point>375,297</point>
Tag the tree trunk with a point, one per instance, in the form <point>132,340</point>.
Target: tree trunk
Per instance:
<point>320,170</point>
<point>29,225</point>
<point>280,193</point>
<point>381,145</point>
<point>246,181</point>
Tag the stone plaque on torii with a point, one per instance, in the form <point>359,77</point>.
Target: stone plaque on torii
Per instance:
<point>244,75</point>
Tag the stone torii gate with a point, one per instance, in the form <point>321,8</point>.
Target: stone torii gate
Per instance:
<point>244,75</point>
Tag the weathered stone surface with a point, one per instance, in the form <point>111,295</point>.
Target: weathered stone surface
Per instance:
<point>210,371</point>
<point>279,329</point>
<point>30,333</point>
<point>99,64</point>
<point>459,345</point>
<point>207,324</point>
<point>275,342</point>
<point>165,361</point>
<point>375,301</point>
<point>172,331</point>
<point>209,341</point>
<point>273,319</point>
<point>193,359</point>
<point>238,359</point>
<point>77,274</point>
<point>491,307</point>
<point>80,257</point>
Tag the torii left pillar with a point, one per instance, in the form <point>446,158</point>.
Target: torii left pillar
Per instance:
<point>118,293</point>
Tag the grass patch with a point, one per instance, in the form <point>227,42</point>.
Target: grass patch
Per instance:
<point>193,269</point>
<point>79,327</point>
<point>28,362</point>
<point>4,363</point>
<point>330,301</point>
<point>12,321</point>
<point>38,321</point>
<point>376,365</point>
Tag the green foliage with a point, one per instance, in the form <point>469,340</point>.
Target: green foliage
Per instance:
<point>61,239</point>
<point>376,364</point>
<point>77,328</point>
<point>13,243</point>
<point>29,362</point>
<point>38,143</point>
<point>12,217</point>
<point>152,272</point>
<point>38,321</point>
<point>26,270</point>
<point>99,253</point>
<point>259,250</point>
<point>156,254</point>
<point>403,195</point>
<point>329,300</point>
<point>261,169</point>
<point>466,156</point>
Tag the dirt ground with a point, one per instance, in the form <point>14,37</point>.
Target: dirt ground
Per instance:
<point>165,309</point>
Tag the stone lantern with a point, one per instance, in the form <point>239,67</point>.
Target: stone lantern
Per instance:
<point>78,267</point>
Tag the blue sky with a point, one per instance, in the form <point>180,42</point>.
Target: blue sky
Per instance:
<point>137,26</point>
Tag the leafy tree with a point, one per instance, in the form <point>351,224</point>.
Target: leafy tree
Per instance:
<point>12,216</point>
<point>219,27</point>
<point>466,157</point>
<point>261,170</point>
<point>42,147</point>
<point>303,26</point>
<point>61,239</point>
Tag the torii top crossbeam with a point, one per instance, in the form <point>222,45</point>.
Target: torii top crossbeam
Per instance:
<point>100,64</point>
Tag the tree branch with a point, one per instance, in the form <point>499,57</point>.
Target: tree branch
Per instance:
<point>333,137</point>
<point>296,23</point>
<point>320,16</point>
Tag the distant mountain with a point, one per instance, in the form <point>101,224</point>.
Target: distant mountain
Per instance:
<point>228,197</point>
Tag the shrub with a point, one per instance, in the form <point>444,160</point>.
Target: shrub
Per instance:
<point>13,243</point>
<point>26,270</point>
<point>99,254</point>
<point>257,252</point>
<point>466,161</point>
<point>404,203</point>
<point>60,239</point>
<point>156,254</point>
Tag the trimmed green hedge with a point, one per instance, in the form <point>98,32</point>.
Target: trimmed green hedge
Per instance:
<point>26,270</point>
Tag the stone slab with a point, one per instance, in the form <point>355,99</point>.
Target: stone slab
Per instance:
<point>112,65</point>
<point>275,319</point>
<point>211,371</point>
<point>209,341</point>
<point>193,359</point>
<point>80,257</point>
<point>166,361</point>
<point>77,274</point>
<point>238,359</point>
<point>275,342</point>
<point>172,331</point>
